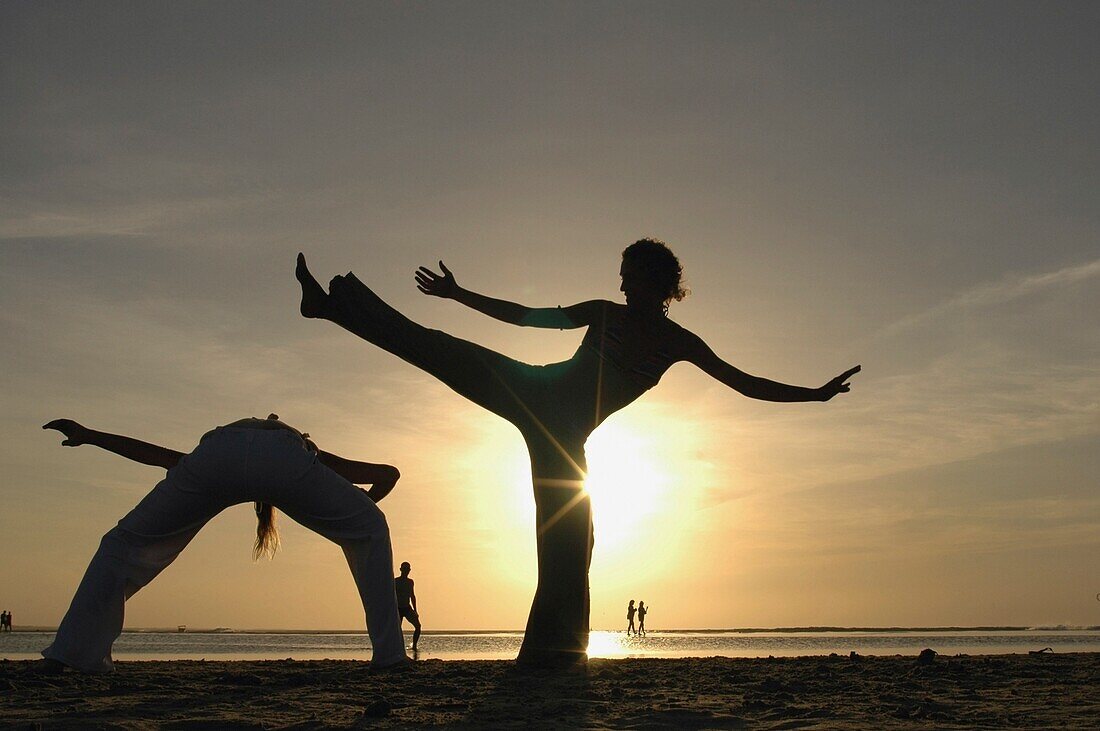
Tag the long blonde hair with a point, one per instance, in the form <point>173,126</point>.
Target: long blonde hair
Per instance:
<point>267,535</point>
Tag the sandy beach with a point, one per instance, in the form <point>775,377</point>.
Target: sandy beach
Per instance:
<point>1005,691</point>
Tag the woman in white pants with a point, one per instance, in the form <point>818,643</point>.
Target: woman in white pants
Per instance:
<point>252,460</point>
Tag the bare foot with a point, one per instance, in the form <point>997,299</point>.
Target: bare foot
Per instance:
<point>314,297</point>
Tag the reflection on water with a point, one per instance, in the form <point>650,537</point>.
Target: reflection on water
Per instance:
<point>505,645</point>
<point>791,644</point>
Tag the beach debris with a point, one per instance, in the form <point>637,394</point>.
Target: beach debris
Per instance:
<point>378,708</point>
<point>1043,651</point>
<point>853,655</point>
<point>927,656</point>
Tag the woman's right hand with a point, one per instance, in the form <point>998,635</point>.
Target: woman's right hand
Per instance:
<point>75,434</point>
<point>437,285</point>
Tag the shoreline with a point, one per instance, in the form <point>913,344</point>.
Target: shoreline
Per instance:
<point>809,629</point>
<point>979,691</point>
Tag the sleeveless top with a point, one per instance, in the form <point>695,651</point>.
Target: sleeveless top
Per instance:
<point>645,373</point>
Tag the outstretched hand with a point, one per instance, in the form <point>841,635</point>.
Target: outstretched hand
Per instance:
<point>838,384</point>
<point>75,434</point>
<point>437,285</point>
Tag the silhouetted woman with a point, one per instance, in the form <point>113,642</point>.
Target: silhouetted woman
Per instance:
<point>624,353</point>
<point>630,610</point>
<point>252,460</point>
<point>641,617</point>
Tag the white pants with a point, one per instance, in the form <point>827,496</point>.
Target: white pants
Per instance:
<point>231,466</point>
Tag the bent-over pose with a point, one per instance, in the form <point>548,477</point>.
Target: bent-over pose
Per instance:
<point>252,460</point>
<point>624,353</point>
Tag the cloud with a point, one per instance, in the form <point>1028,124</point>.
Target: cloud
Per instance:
<point>992,294</point>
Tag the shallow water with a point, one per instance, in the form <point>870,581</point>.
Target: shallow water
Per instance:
<point>460,645</point>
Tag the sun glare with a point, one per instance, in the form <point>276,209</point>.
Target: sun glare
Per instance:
<point>647,474</point>
<point>626,482</point>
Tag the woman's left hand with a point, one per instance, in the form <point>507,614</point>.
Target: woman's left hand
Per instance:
<point>838,384</point>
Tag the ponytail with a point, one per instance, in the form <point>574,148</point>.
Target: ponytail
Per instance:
<point>267,535</point>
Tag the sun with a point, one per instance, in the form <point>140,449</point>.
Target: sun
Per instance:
<point>647,472</point>
<point>626,481</point>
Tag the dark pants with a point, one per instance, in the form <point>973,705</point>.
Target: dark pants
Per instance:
<point>553,412</point>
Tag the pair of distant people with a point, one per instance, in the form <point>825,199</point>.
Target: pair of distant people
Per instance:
<point>626,350</point>
<point>5,621</point>
<point>641,611</point>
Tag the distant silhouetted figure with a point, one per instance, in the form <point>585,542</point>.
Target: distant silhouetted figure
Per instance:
<point>406,600</point>
<point>630,610</point>
<point>624,353</point>
<point>252,460</point>
<point>641,617</point>
<point>5,621</point>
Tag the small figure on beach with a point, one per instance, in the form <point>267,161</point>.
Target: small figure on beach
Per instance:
<point>641,617</point>
<point>264,461</point>
<point>5,621</point>
<point>406,600</point>
<point>625,351</point>
<point>630,611</point>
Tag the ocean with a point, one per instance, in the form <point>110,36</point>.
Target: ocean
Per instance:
<point>476,645</point>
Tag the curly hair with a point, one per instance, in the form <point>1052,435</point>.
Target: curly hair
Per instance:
<point>654,256</point>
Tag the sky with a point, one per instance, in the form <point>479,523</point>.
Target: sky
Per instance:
<point>913,187</point>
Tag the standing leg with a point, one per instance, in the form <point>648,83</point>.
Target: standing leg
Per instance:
<point>414,619</point>
<point>327,504</point>
<point>130,555</point>
<point>371,564</point>
<point>557,628</point>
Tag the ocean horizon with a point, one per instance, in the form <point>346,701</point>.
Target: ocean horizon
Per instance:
<point>223,643</point>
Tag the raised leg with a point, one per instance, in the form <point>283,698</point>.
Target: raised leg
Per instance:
<point>489,379</point>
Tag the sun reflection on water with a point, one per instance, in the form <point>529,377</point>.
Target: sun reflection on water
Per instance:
<point>617,645</point>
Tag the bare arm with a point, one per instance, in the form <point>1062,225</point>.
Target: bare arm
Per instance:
<point>412,594</point>
<point>756,387</point>
<point>381,477</point>
<point>562,318</point>
<point>128,447</point>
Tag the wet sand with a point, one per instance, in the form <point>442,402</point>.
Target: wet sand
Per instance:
<point>1002,691</point>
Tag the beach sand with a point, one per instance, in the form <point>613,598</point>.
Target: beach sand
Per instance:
<point>1003,691</point>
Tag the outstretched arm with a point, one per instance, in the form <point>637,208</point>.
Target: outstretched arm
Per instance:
<point>562,318</point>
<point>128,447</point>
<point>381,477</point>
<point>756,387</point>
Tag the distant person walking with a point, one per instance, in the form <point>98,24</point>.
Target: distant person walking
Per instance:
<point>630,610</point>
<point>641,617</point>
<point>625,351</point>
<point>5,621</point>
<point>406,600</point>
<point>252,460</point>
